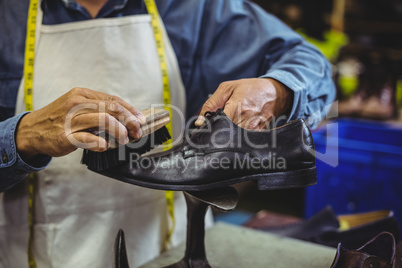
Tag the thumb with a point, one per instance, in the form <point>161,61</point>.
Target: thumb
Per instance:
<point>215,102</point>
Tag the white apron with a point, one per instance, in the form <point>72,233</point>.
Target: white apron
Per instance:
<point>78,212</point>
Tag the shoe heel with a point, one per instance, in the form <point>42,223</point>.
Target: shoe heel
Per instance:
<point>287,180</point>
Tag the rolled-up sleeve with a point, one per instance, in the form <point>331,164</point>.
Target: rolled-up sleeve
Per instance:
<point>308,74</point>
<point>12,168</point>
<point>240,40</point>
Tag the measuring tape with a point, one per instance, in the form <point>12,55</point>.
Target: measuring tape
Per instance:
<point>28,99</point>
<point>160,46</point>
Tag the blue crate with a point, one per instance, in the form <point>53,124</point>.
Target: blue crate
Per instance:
<point>369,173</point>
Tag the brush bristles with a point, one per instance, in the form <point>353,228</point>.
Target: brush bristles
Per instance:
<point>112,158</point>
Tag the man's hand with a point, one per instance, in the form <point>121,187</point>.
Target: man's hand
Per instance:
<point>249,103</point>
<point>62,126</point>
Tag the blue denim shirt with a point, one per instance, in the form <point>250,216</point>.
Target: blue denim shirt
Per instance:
<point>214,40</point>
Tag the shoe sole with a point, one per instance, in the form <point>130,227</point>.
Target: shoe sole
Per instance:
<point>265,181</point>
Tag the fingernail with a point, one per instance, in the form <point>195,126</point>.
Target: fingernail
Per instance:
<point>103,146</point>
<point>139,133</point>
<point>127,140</point>
<point>200,121</point>
<point>142,118</point>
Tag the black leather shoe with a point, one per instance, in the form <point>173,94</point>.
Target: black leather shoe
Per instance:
<point>220,153</point>
<point>379,252</point>
<point>351,230</point>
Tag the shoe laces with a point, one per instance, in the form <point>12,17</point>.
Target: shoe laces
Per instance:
<point>209,115</point>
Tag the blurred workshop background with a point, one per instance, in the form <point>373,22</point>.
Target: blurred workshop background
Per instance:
<point>359,144</point>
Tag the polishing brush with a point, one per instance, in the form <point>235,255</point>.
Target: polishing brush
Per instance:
<point>154,133</point>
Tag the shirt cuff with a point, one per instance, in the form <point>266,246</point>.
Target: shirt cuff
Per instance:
<point>299,94</point>
<point>9,157</point>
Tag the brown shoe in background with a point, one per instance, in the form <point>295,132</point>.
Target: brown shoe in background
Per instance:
<point>327,228</point>
<point>353,106</point>
<point>381,106</point>
<point>380,252</point>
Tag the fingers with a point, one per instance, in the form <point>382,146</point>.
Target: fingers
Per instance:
<point>233,111</point>
<point>255,123</point>
<point>244,117</point>
<point>113,100</point>
<point>249,103</point>
<point>126,117</point>
<point>103,121</point>
<point>115,103</point>
<point>114,109</point>
<point>216,101</point>
<point>86,140</point>
<point>125,113</point>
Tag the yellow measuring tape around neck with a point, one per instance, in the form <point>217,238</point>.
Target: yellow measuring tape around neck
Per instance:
<point>28,99</point>
<point>160,46</point>
<point>30,55</point>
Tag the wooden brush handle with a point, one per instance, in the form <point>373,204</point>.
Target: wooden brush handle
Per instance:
<point>156,118</point>
<point>154,114</point>
<point>153,126</point>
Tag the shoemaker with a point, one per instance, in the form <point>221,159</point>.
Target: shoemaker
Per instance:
<point>91,54</point>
